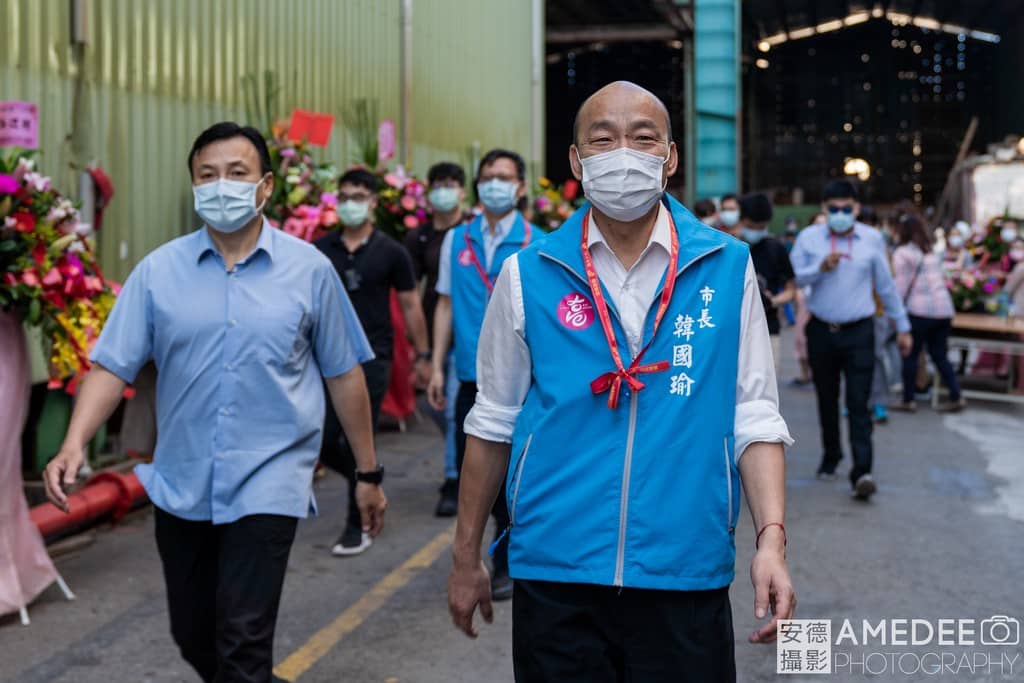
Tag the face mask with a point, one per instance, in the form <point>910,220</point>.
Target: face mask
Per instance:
<point>840,222</point>
<point>955,241</point>
<point>498,196</point>
<point>226,205</point>
<point>1008,234</point>
<point>353,213</point>
<point>753,236</point>
<point>709,221</point>
<point>444,199</point>
<point>730,217</point>
<point>623,184</point>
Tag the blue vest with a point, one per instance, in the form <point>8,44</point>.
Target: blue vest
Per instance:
<point>469,293</point>
<point>646,495</point>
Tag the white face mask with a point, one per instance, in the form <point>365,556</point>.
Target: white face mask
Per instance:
<point>730,217</point>
<point>226,205</point>
<point>623,184</point>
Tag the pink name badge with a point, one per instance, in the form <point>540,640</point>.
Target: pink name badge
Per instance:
<point>19,125</point>
<point>575,311</point>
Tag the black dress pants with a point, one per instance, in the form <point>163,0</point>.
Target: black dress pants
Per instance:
<point>463,404</point>
<point>223,589</point>
<point>577,633</point>
<point>335,451</point>
<point>846,352</point>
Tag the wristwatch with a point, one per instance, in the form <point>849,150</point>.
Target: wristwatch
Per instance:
<point>374,477</point>
<point>426,355</point>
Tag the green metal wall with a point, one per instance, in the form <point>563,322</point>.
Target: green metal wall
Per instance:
<point>156,72</point>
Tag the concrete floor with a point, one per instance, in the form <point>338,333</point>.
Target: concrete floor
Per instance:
<point>943,538</point>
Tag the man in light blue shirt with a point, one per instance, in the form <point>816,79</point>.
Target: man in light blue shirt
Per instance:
<point>241,321</point>
<point>844,264</point>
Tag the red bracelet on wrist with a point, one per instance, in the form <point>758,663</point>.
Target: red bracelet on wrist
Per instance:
<point>785,540</point>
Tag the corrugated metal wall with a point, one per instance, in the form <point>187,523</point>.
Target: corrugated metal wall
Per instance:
<point>156,72</point>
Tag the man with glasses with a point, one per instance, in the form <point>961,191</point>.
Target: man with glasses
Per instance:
<point>370,264</point>
<point>844,264</point>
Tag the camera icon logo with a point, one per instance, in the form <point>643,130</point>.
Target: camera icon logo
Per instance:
<point>1000,629</point>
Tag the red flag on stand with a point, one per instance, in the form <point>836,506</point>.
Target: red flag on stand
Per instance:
<point>313,127</point>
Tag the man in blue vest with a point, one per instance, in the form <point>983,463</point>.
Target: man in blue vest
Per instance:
<point>626,385</point>
<point>471,258</point>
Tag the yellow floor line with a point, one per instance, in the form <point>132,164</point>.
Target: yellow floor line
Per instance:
<point>326,638</point>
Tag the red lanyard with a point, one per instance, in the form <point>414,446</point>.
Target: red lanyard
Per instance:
<point>488,282</point>
<point>612,381</point>
<point>849,252</point>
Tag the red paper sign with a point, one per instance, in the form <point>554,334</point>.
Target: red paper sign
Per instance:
<point>19,125</point>
<point>386,140</point>
<point>311,126</point>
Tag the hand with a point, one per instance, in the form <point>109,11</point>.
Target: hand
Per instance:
<point>831,261</point>
<point>905,342</point>
<point>424,373</point>
<point>469,586</point>
<point>435,391</point>
<point>372,504</point>
<point>772,588</point>
<point>62,473</point>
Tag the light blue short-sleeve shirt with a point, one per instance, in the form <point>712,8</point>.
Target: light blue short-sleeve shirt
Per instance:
<point>239,355</point>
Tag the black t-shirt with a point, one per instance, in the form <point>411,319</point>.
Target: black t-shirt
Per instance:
<point>774,270</point>
<point>424,246</point>
<point>369,274</point>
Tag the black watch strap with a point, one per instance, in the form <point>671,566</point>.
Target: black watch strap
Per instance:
<point>426,355</point>
<point>373,477</point>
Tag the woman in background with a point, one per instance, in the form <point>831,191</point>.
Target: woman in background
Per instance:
<point>919,279</point>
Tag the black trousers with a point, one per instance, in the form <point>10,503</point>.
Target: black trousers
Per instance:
<point>335,451</point>
<point>576,633</point>
<point>848,353</point>
<point>931,334</point>
<point>223,589</point>
<point>463,404</point>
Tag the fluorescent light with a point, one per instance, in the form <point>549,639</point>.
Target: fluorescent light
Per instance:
<point>927,22</point>
<point>953,28</point>
<point>986,36</point>
<point>857,18</point>
<point>777,39</point>
<point>828,26</point>
<point>764,46</point>
<point>878,13</point>
<point>799,33</point>
<point>898,18</point>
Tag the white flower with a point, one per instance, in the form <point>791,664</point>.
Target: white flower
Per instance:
<point>37,181</point>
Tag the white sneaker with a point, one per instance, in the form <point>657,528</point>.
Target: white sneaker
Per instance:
<point>352,542</point>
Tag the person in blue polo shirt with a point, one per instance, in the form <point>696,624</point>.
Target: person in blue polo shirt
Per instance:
<point>626,385</point>
<point>242,321</point>
<point>471,258</point>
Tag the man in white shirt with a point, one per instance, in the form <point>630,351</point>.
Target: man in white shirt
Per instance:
<point>633,407</point>
<point>471,258</point>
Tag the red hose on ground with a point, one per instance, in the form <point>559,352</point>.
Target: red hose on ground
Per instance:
<point>107,493</point>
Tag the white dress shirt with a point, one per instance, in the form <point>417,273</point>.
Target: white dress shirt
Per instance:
<point>491,241</point>
<point>503,359</point>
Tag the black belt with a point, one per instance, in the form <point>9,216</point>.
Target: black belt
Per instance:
<point>836,327</point>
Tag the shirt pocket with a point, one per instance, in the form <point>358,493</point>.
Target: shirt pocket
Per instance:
<point>284,336</point>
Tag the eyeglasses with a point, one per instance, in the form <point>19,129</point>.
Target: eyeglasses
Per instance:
<point>356,197</point>
<point>837,209</point>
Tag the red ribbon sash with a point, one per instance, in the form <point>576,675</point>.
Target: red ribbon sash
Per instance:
<point>612,381</point>
<point>484,277</point>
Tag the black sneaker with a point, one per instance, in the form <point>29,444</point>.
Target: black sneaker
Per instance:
<point>501,585</point>
<point>448,506</point>
<point>864,488</point>
<point>353,541</point>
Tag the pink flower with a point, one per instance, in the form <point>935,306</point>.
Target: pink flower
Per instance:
<point>989,287</point>
<point>37,181</point>
<point>410,222</point>
<point>329,199</point>
<point>288,153</point>
<point>396,180</point>
<point>408,203</point>
<point>329,218</point>
<point>8,185</point>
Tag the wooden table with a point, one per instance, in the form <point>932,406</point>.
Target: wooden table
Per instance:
<point>972,331</point>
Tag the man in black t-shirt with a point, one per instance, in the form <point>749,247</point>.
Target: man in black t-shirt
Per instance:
<point>771,264</point>
<point>370,265</point>
<point>447,196</point>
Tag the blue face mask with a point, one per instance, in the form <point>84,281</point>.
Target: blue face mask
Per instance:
<point>840,222</point>
<point>752,236</point>
<point>226,205</point>
<point>444,199</point>
<point>498,196</point>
